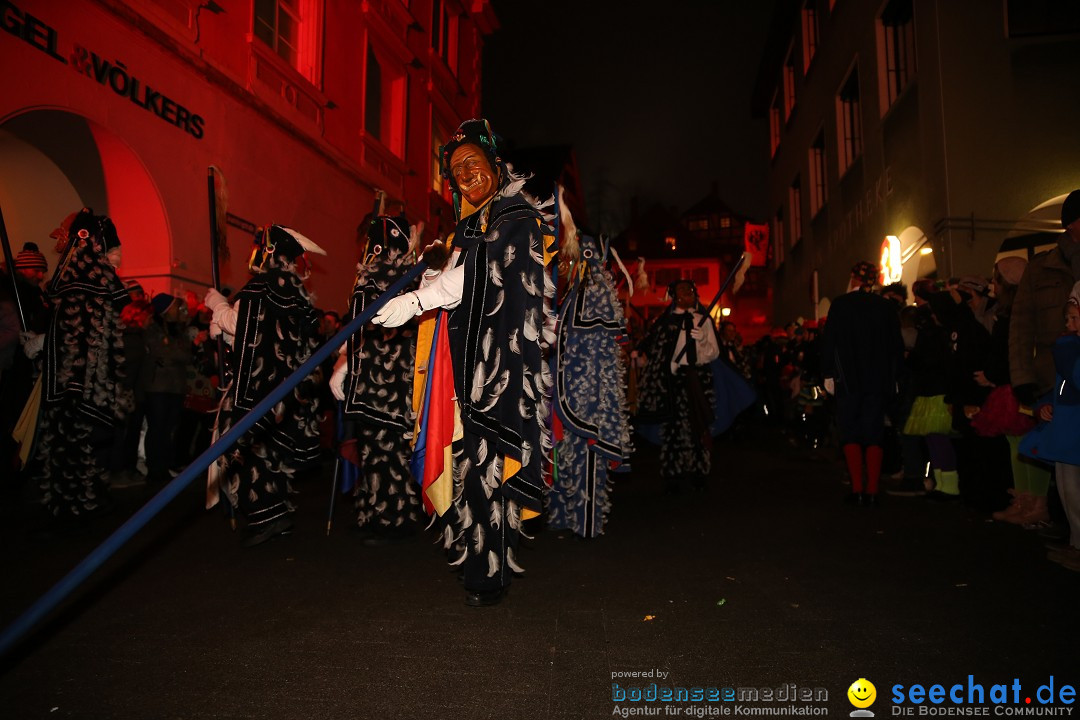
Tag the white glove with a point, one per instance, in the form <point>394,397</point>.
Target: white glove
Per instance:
<point>214,299</point>
<point>337,378</point>
<point>830,386</point>
<point>398,311</point>
<point>32,343</point>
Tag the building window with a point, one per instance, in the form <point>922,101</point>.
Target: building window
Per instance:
<point>438,139</point>
<point>774,125</point>
<point>699,225</point>
<point>725,222</point>
<point>778,237</point>
<point>666,276</point>
<point>384,102</point>
<point>789,84</point>
<point>795,211</point>
<point>671,242</point>
<point>818,191</point>
<point>444,34</point>
<point>896,50</point>
<point>809,32</point>
<point>848,121</point>
<point>291,29</point>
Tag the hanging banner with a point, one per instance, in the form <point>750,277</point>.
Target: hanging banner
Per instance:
<point>756,243</point>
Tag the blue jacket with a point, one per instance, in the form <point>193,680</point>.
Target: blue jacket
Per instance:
<point>1059,439</point>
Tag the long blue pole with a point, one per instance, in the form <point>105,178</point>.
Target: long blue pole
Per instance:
<point>48,602</point>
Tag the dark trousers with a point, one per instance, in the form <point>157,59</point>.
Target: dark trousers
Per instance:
<point>162,416</point>
<point>860,418</point>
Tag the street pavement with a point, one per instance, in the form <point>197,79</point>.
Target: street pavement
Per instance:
<point>764,580</point>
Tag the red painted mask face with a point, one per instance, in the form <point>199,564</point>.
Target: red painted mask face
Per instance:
<point>473,174</point>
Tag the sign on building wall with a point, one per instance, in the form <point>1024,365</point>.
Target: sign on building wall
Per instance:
<point>111,74</point>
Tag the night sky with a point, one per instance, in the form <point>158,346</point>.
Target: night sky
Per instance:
<point>655,99</point>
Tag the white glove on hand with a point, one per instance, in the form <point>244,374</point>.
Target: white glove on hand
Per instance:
<point>830,386</point>
<point>398,311</point>
<point>214,299</point>
<point>337,380</point>
<point>32,343</point>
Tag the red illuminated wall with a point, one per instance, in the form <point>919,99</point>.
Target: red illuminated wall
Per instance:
<point>124,105</point>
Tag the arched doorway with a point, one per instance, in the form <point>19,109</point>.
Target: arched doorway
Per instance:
<point>1037,231</point>
<point>917,256</point>
<point>56,162</point>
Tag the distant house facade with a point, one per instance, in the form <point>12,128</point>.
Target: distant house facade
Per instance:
<point>701,244</point>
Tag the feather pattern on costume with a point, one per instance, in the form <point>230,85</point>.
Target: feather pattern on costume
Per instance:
<point>477,390</point>
<point>493,563</point>
<point>529,285</point>
<point>477,544</point>
<point>465,517</point>
<point>530,329</point>
<point>511,561</point>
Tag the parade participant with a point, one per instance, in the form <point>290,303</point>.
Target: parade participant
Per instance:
<point>677,390</point>
<point>590,382</point>
<point>496,328</point>
<point>272,329</point>
<point>82,395</point>
<point>374,378</point>
<point>861,352</point>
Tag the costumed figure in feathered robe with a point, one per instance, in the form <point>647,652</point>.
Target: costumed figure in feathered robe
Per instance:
<point>82,391</point>
<point>676,389</point>
<point>590,394</point>
<point>272,329</point>
<point>374,378</point>
<point>494,331</point>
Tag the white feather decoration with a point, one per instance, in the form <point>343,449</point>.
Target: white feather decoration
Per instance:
<point>511,561</point>
<point>493,563</point>
<point>478,539</point>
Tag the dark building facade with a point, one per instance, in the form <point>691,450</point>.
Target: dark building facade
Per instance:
<point>922,132</point>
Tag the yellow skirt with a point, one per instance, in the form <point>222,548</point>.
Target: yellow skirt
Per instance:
<point>929,415</point>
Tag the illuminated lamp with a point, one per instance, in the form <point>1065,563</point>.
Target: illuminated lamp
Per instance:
<point>724,312</point>
<point>892,266</point>
<point>670,242</point>
<point>926,250</point>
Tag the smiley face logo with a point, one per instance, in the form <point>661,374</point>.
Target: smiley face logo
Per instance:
<point>862,693</point>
